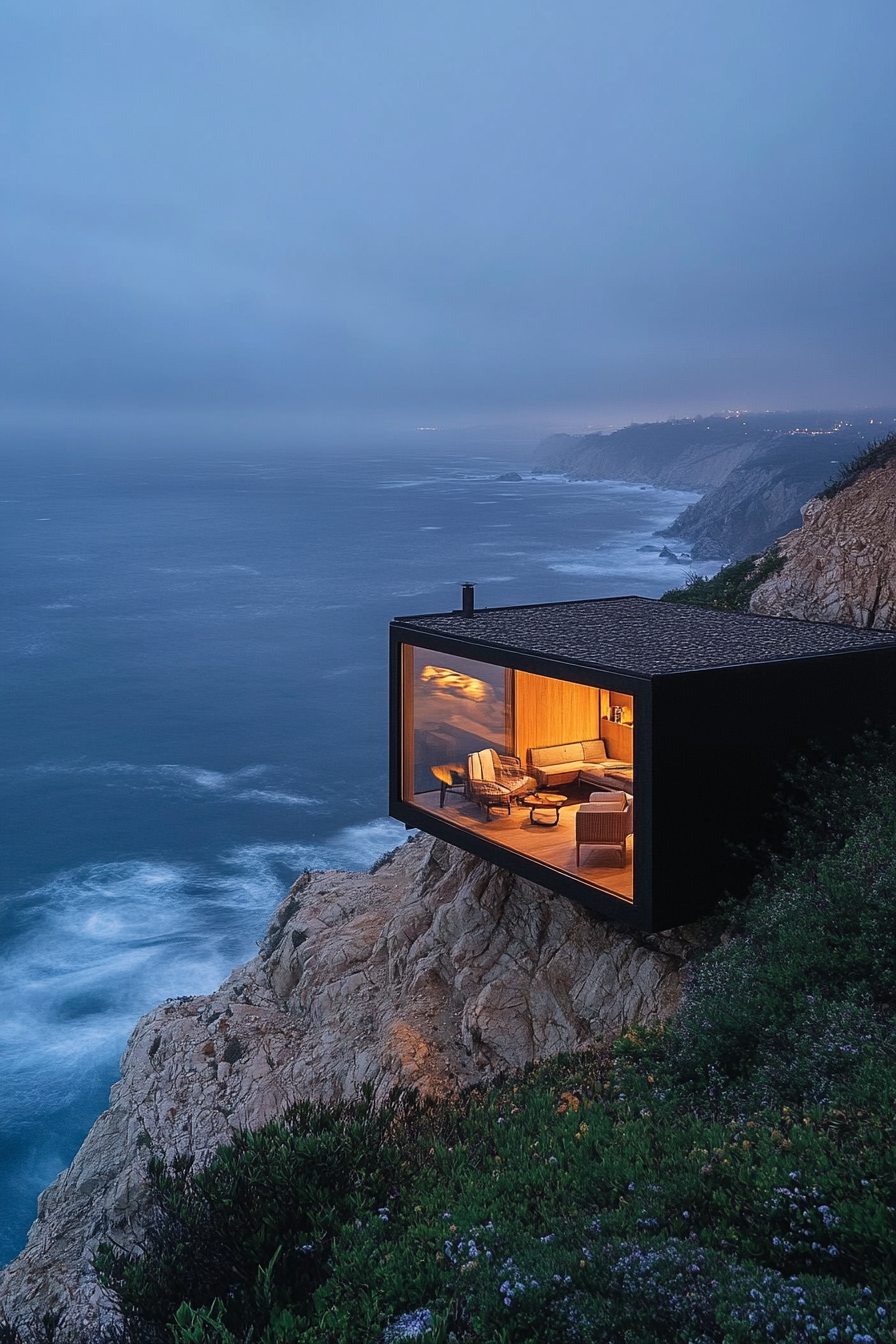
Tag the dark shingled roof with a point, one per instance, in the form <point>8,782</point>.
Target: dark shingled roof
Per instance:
<point>645,637</point>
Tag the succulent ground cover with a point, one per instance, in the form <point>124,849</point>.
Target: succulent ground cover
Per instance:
<point>731,1178</point>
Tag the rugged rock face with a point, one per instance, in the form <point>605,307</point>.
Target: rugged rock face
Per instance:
<point>841,564</point>
<point>761,497</point>
<point>437,970</point>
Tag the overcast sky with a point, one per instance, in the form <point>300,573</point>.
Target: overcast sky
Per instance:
<point>572,210</point>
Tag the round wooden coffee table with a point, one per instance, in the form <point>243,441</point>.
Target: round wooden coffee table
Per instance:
<point>544,802</point>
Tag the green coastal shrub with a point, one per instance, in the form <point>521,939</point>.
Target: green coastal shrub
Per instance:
<point>731,1178</point>
<point>730,589</point>
<point>255,1228</point>
<point>800,1005</point>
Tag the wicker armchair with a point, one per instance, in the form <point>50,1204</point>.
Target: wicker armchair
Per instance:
<point>605,822</point>
<point>493,781</point>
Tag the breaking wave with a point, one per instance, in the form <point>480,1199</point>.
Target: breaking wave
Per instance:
<point>95,947</point>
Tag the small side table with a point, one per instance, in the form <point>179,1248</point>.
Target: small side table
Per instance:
<point>544,802</point>
<point>452,779</point>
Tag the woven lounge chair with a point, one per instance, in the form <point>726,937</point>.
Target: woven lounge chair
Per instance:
<point>493,781</point>
<point>606,820</point>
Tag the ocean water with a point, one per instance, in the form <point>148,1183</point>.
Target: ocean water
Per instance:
<point>194,711</point>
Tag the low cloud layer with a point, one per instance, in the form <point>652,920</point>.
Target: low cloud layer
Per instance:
<point>420,210</point>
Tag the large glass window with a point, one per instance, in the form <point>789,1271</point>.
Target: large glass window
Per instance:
<point>525,760</point>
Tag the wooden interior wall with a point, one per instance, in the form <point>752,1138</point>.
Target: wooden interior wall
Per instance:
<point>548,712</point>
<point>618,739</point>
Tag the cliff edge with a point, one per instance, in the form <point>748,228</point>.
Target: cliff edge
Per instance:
<point>840,565</point>
<point>436,970</point>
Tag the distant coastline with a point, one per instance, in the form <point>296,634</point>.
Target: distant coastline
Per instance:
<point>755,470</point>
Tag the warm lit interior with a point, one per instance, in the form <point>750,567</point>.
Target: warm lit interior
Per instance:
<point>535,764</point>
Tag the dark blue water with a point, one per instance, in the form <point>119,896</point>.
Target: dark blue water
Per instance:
<point>194,710</point>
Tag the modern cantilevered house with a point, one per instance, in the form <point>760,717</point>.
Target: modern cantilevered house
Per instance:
<point>621,751</point>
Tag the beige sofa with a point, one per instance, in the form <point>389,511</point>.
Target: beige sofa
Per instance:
<point>572,762</point>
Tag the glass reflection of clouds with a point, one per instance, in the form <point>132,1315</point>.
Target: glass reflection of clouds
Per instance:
<point>457,710</point>
<point>455,683</point>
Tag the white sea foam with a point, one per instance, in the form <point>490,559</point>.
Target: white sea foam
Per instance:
<point>204,570</point>
<point>275,796</point>
<point>351,669</point>
<point>98,945</point>
<point>354,848</point>
<point>191,779</point>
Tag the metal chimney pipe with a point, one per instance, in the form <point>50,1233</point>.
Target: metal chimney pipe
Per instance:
<point>467,594</point>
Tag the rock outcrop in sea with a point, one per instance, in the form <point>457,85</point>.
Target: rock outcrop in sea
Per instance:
<point>840,565</point>
<point>437,970</point>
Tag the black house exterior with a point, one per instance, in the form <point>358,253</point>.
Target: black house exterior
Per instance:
<point>622,751</point>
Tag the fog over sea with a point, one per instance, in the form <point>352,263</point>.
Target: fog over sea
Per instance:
<point>195,711</point>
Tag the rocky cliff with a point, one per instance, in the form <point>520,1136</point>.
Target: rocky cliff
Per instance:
<point>761,496</point>
<point>437,970</point>
<point>678,454</point>
<point>840,565</point>
<point>755,470</point>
